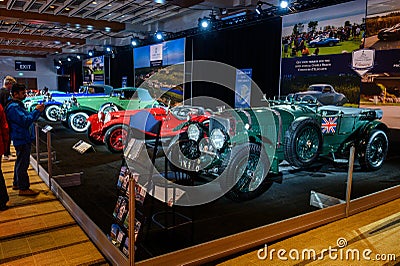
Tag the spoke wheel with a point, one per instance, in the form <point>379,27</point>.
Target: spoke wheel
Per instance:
<point>52,112</point>
<point>107,108</point>
<point>375,150</point>
<point>78,122</point>
<point>303,142</point>
<point>115,138</point>
<point>249,165</point>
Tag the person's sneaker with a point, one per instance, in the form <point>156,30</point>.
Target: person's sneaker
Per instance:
<point>28,192</point>
<point>9,157</point>
<point>14,187</point>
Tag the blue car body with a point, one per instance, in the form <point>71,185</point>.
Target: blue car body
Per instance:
<point>323,41</point>
<point>53,100</point>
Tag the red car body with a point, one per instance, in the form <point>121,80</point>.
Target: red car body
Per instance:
<point>112,129</point>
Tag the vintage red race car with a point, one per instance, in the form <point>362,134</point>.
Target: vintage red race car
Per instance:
<point>112,128</point>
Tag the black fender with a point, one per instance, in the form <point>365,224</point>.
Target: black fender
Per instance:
<point>365,132</point>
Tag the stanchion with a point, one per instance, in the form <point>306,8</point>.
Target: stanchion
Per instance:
<point>37,146</point>
<point>131,220</point>
<point>349,179</point>
<point>49,158</point>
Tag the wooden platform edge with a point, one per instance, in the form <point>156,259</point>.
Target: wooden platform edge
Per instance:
<point>97,236</point>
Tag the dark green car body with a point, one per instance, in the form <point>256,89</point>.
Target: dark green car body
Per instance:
<point>248,144</point>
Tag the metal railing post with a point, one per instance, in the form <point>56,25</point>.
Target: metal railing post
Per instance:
<point>349,179</point>
<point>49,158</point>
<point>37,146</point>
<point>131,221</point>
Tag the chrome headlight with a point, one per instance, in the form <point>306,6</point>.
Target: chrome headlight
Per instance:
<point>193,132</point>
<point>107,118</point>
<point>217,138</point>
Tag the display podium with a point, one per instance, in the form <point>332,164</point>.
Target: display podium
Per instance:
<point>146,182</point>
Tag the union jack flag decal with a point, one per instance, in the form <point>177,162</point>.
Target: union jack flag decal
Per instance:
<point>329,125</point>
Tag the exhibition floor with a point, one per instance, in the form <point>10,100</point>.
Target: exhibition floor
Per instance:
<point>372,237</point>
<point>39,230</point>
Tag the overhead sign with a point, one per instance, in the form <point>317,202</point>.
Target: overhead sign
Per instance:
<point>25,66</point>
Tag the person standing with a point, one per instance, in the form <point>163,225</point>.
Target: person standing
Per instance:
<point>22,133</point>
<point>4,137</point>
<point>5,98</point>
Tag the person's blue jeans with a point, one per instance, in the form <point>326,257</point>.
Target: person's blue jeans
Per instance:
<point>21,177</point>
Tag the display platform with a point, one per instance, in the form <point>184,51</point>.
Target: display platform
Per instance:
<point>97,194</point>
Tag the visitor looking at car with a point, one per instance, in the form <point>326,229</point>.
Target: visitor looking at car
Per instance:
<point>22,133</point>
<point>4,137</point>
<point>5,98</point>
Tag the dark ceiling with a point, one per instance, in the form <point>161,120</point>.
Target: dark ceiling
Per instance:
<point>39,28</point>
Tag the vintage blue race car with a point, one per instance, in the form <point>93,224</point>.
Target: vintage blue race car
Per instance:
<point>54,99</point>
<point>244,147</point>
<point>324,41</point>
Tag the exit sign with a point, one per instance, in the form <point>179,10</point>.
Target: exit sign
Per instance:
<point>25,66</point>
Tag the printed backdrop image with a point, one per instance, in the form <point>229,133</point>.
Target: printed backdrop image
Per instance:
<point>383,24</point>
<point>331,30</point>
<point>317,48</point>
<point>156,58</point>
<point>380,87</point>
<point>93,70</point>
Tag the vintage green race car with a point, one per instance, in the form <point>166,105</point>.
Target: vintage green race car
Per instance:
<point>246,146</point>
<point>75,112</point>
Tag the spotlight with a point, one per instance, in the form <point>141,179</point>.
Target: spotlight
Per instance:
<point>134,42</point>
<point>91,53</point>
<point>108,49</point>
<point>204,23</point>
<point>78,57</point>
<point>159,36</point>
<point>284,4</point>
<point>69,59</point>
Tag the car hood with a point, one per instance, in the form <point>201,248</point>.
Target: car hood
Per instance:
<point>314,93</point>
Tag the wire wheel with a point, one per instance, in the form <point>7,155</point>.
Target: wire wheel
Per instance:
<point>115,138</point>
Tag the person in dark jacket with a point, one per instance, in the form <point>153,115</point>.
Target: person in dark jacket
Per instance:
<point>5,98</point>
<point>22,133</point>
<point>4,136</point>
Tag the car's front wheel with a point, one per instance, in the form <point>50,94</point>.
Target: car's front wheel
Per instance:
<point>115,138</point>
<point>374,152</point>
<point>108,107</point>
<point>51,113</point>
<point>249,165</point>
<point>78,122</point>
<point>303,141</point>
